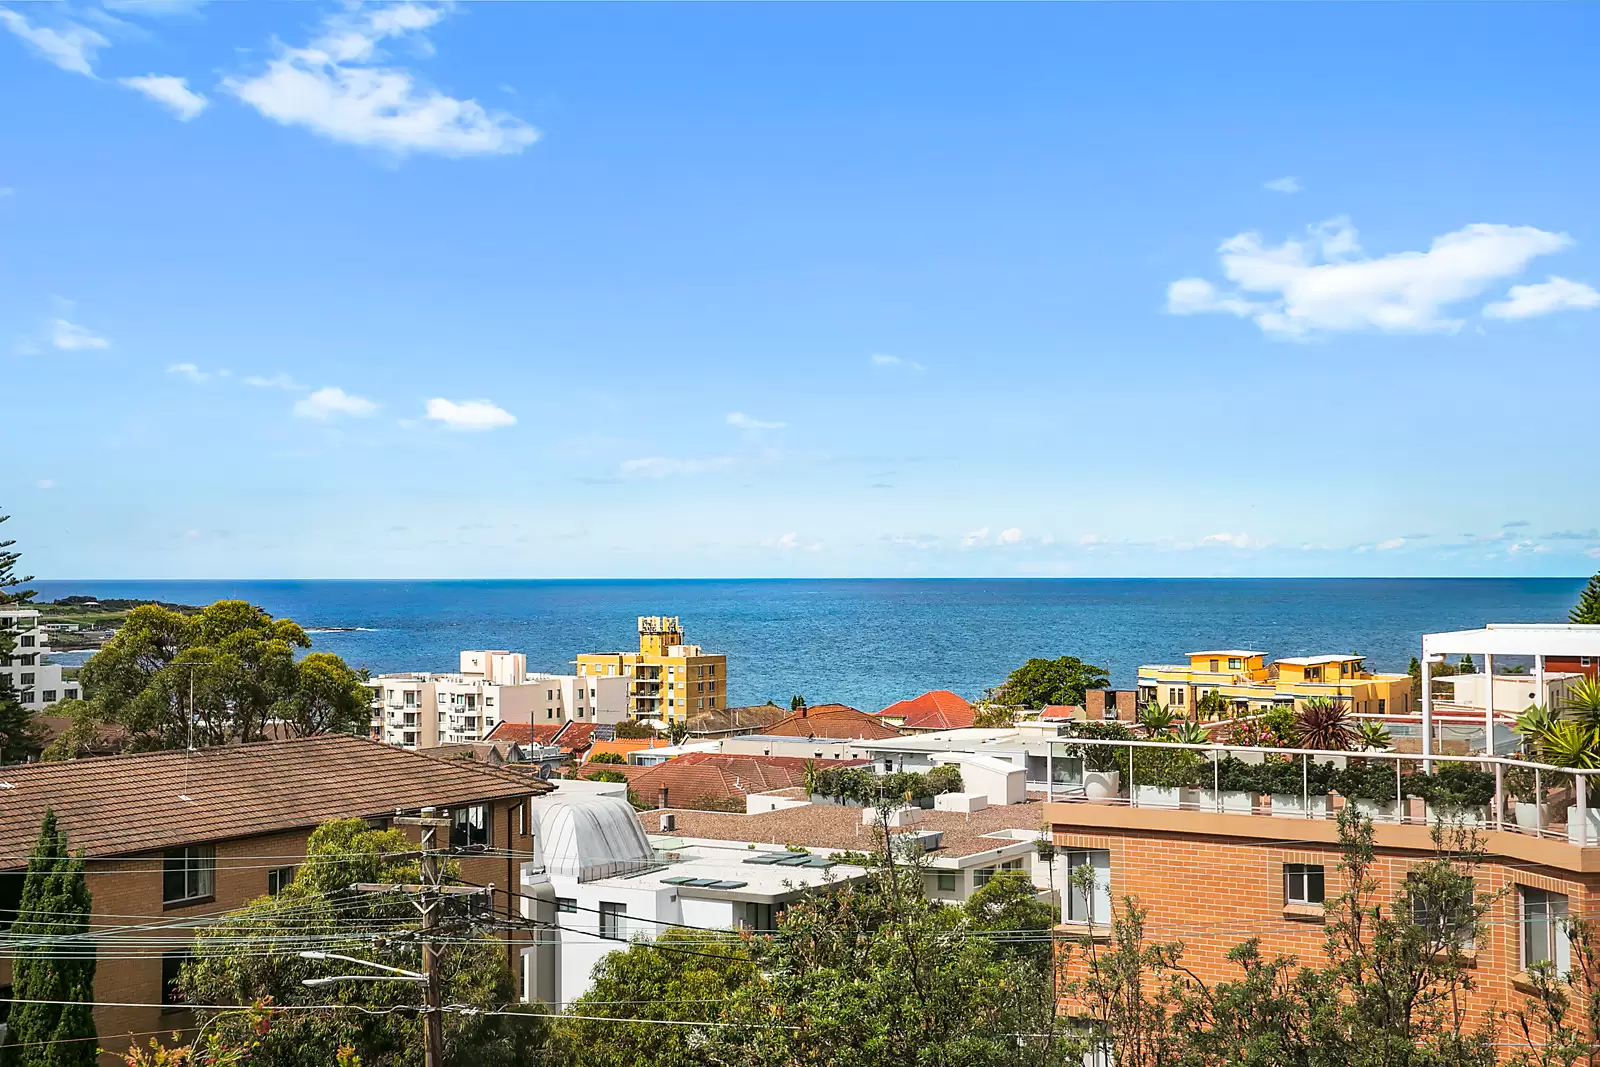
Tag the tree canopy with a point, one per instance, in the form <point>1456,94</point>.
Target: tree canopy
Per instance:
<point>238,667</point>
<point>52,1023</point>
<point>1040,683</point>
<point>1587,609</point>
<point>18,738</point>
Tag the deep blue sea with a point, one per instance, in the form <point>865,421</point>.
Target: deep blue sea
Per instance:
<point>870,642</point>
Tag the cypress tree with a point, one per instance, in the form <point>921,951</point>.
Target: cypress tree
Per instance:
<point>59,963</point>
<point>1588,606</point>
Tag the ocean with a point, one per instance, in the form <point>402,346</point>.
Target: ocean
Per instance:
<point>870,642</point>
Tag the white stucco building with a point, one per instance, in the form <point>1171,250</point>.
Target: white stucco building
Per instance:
<point>37,681</point>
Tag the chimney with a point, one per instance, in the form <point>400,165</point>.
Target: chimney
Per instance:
<point>669,821</point>
<point>661,798</point>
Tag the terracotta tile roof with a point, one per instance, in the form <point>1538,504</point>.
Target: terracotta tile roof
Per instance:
<point>832,720</point>
<point>702,776</point>
<point>1061,711</point>
<point>522,733</point>
<point>751,719</point>
<point>837,826</point>
<point>119,804</point>
<point>939,709</point>
<point>576,737</point>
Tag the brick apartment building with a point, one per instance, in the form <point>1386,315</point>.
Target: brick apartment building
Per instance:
<point>177,836</point>
<point>1214,880</point>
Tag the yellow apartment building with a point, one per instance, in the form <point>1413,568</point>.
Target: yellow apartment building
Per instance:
<point>1248,683</point>
<point>668,679</point>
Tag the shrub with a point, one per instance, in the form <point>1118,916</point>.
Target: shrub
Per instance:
<point>1100,758</point>
<point>864,787</point>
<point>606,757</point>
<point>1166,767</point>
<point>1235,775</point>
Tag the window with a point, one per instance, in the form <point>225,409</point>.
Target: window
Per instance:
<point>613,919</point>
<point>48,695</point>
<point>1089,903</point>
<point>1235,664</point>
<point>171,966</point>
<point>410,698</point>
<point>471,826</point>
<point>568,905</point>
<point>983,876</point>
<point>26,678</point>
<point>25,698</point>
<point>25,641</point>
<point>1302,883</point>
<point>759,916</point>
<point>947,883</point>
<point>1544,928</point>
<point>409,740</point>
<point>69,694</point>
<point>188,874</point>
<point>1381,704</point>
<point>1214,665</point>
<point>278,879</point>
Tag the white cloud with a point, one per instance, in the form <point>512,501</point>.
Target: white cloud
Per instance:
<point>1592,553</point>
<point>171,91</point>
<point>70,337</point>
<point>790,542</point>
<point>277,381</point>
<point>1011,536</point>
<point>330,401</point>
<point>469,414</point>
<point>189,371</point>
<point>1319,283</point>
<point>665,467</point>
<point>979,536</point>
<point>879,359</point>
<point>1287,184</point>
<point>1234,540</point>
<point>1530,301</point>
<point>72,47</point>
<point>335,87</point>
<point>1391,544</point>
<point>745,422</point>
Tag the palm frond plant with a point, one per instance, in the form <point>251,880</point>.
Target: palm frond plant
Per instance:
<point>1156,719</point>
<point>1191,733</point>
<point>1373,736</point>
<point>1569,743</point>
<point>1583,701</point>
<point>1532,726</point>
<point>1325,724</point>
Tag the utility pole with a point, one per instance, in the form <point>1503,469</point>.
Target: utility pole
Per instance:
<point>429,901</point>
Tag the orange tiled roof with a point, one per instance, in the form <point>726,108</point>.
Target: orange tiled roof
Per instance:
<point>702,776</point>
<point>522,733</point>
<point>1061,711</point>
<point>576,737</point>
<point>622,746</point>
<point>938,709</point>
<point>831,720</point>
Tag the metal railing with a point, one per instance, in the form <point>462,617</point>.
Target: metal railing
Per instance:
<point>1581,825</point>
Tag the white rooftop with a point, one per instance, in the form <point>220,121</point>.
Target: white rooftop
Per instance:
<point>1312,661</point>
<point>1228,652</point>
<point>730,875</point>
<point>590,837</point>
<point>1517,639</point>
<point>969,738</point>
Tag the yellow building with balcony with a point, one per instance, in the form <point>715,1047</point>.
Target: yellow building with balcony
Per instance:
<point>668,679</point>
<point>1249,684</point>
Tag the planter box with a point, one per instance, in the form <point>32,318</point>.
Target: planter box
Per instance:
<point>1294,806</point>
<point>1377,810</point>
<point>1229,801</point>
<point>1101,785</point>
<point>1160,796</point>
<point>1532,817</point>
<point>1477,818</point>
<point>1594,825</point>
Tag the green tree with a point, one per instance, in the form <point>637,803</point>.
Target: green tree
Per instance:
<point>1009,908</point>
<point>232,665</point>
<point>1040,682</point>
<point>604,774</point>
<point>370,926</point>
<point>797,702</point>
<point>19,739</point>
<point>683,976</point>
<point>1586,610</point>
<point>606,757</point>
<point>52,1023</point>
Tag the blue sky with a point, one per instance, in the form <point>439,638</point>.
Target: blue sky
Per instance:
<point>616,290</point>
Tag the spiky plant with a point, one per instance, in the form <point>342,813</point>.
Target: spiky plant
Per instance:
<point>1583,701</point>
<point>1532,726</point>
<point>1156,719</point>
<point>1373,736</point>
<point>1569,743</point>
<point>1191,733</point>
<point>1324,724</point>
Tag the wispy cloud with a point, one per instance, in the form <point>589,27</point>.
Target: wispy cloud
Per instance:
<point>880,359</point>
<point>470,415</point>
<point>330,402</point>
<point>790,542</point>
<point>189,371</point>
<point>46,483</point>
<point>71,47</point>
<point>1391,544</point>
<point>338,87</point>
<point>70,337</point>
<point>169,91</point>
<point>666,467</point>
<point>1531,301</point>
<point>1234,540</point>
<point>1282,185</point>
<point>745,422</point>
<point>1320,283</point>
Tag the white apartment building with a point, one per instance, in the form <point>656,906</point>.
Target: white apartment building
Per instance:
<point>425,709</point>
<point>37,682</point>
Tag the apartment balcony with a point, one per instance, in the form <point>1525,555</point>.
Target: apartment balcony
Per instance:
<point>1529,811</point>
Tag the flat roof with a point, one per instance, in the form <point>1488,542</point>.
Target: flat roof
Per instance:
<point>1517,639</point>
<point>1228,652</point>
<point>1311,661</point>
<point>711,872</point>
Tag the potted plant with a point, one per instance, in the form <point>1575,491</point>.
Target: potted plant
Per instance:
<point>1102,764</point>
<point>1457,793</point>
<point>1531,812</point>
<point>1297,791</point>
<point>1165,777</point>
<point>1237,787</point>
<point>1369,786</point>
